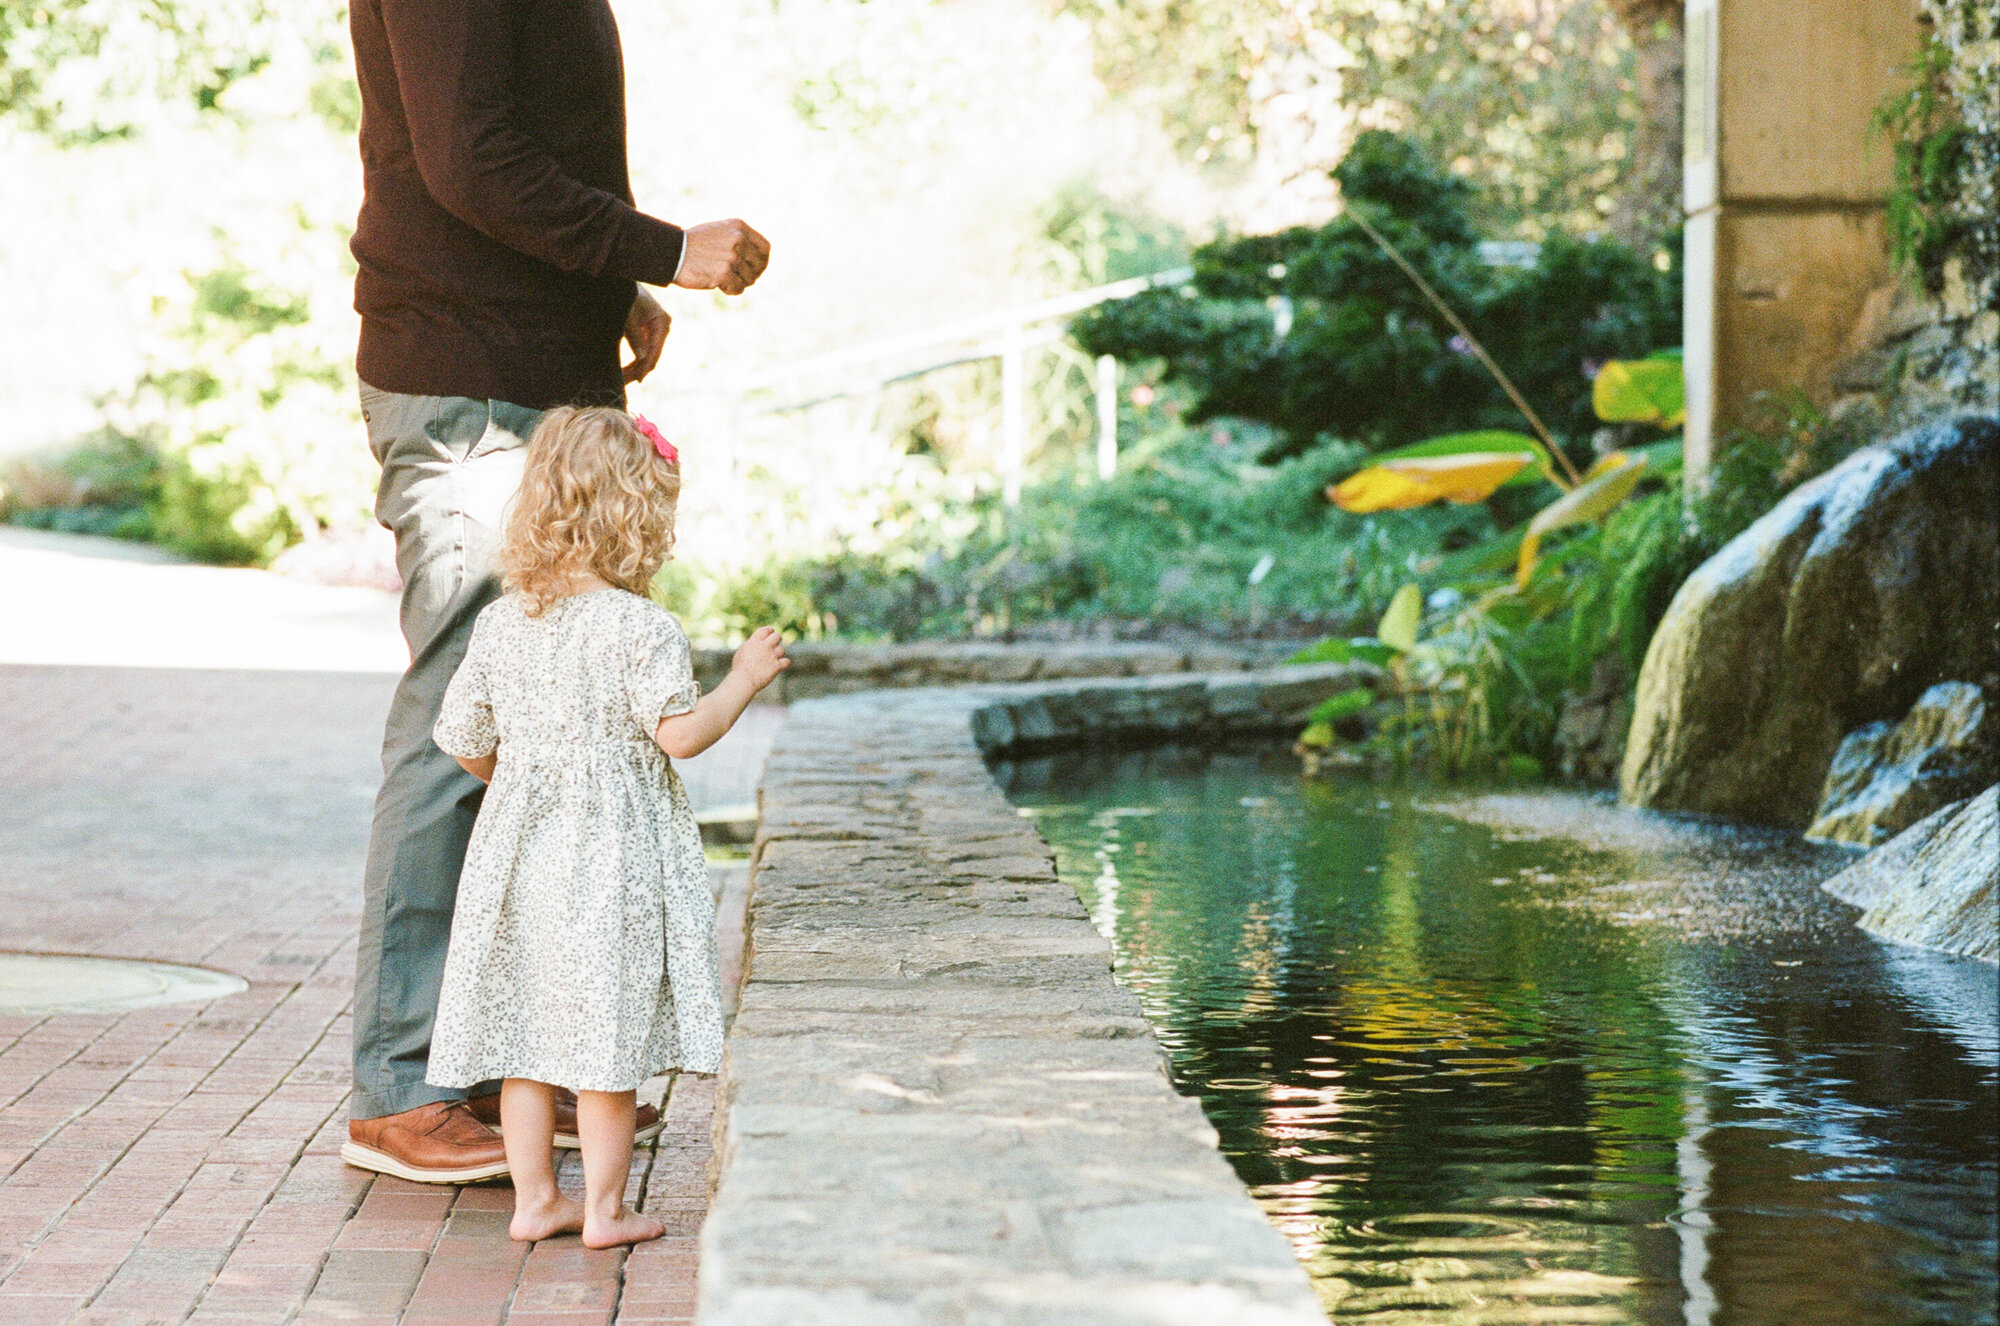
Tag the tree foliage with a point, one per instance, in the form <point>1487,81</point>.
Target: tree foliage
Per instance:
<point>86,70</point>
<point>1540,102</point>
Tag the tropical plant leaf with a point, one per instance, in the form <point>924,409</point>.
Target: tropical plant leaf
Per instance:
<point>1641,391</point>
<point>1398,485</point>
<point>1490,556</point>
<point>1361,648</point>
<point>1663,459</point>
<point>1484,442</point>
<point>1605,484</point>
<point>1483,439</point>
<point>1399,625</point>
<point>1336,707</point>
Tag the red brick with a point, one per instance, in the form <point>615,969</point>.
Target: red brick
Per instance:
<point>151,1145</point>
<point>32,1277</point>
<point>389,1235</point>
<point>237,1280</point>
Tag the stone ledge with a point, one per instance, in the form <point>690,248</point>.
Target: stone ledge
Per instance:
<point>821,669</point>
<point>1028,719</point>
<point>937,1105</point>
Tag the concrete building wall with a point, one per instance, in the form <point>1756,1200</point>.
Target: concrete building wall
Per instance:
<point>1784,193</point>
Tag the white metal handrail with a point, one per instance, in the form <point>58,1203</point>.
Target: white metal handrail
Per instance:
<point>1005,335</point>
<point>983,327</point>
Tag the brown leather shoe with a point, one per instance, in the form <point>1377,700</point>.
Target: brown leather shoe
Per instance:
<point>436,1143</point>
<point>486,1109</point>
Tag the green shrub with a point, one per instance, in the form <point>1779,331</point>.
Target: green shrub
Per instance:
<point>1364,356</point>
<point>251,420</point>
<point>1169,542</point>
<point>106,485</point>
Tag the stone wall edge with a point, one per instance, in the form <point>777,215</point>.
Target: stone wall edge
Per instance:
<point>937,1104</point>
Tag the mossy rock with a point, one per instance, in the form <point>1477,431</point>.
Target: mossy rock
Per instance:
<point>1838,608</point>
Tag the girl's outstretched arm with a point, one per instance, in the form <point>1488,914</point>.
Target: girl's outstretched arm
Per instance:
<point>757,665</point>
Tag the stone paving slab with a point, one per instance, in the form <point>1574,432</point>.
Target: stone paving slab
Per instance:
<point>180,1163</point>
<point>938,1106</point>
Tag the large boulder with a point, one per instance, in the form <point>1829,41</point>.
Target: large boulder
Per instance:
<point>1935,884</point>
<point>1848,600</point>
<point>1887,776</point>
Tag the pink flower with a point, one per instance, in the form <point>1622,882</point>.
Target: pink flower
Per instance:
<point>651,432</point>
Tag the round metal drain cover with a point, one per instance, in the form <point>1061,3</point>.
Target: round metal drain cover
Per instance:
<point>54,983</point>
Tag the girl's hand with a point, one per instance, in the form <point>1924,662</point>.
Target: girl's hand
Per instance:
<point>757,665</point>
<point>761,658</point>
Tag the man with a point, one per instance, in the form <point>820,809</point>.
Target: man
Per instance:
<point>500,254</point>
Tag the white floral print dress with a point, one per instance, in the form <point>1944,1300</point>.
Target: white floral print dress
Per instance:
<point>583,944</point>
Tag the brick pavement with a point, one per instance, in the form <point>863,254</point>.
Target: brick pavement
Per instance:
<point>181,1163</point>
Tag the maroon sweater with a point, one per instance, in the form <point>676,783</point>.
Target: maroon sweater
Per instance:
<point>498,243</point>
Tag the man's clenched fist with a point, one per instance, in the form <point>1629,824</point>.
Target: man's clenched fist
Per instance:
<point>723,255</point>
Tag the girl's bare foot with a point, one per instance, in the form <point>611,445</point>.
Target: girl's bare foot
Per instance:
<point>628,1226</point>
<point>545,1220</point>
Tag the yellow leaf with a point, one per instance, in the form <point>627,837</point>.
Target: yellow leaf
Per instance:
<point>1399,625</point>
<point>1399,485</point>
<point>1605,484</point>
<point>1483,439</point>
<point>1646,391</point>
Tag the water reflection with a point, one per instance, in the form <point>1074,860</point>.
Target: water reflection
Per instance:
<point>1464,1104</point>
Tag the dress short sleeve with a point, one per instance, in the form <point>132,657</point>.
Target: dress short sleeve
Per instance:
<point>662,672</point>
<point>465,726</point>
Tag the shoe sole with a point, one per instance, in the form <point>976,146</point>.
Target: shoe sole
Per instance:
<point>367,1157</point>
<point>571,1142</point>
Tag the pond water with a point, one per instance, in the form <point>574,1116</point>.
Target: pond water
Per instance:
<point>1465,1099</point>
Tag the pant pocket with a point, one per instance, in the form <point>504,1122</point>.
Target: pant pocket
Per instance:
<point>457,427</point>
<point>508,427</point>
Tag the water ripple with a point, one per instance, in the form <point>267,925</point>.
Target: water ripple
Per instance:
<point>1475,1083</point>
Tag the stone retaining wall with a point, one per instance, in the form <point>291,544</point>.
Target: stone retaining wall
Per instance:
<point>821,669</point>
<point>937,1105</point>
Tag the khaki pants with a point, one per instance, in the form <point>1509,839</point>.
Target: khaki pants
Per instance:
<point>449,465</point>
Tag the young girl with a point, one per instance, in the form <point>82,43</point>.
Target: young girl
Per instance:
<point>583,944</point>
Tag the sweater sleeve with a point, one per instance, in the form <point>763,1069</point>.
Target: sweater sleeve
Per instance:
<point>452,61</point>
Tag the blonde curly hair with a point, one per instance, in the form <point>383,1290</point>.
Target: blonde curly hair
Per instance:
<point>596,499</point>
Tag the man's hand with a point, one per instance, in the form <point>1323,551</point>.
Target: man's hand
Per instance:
<point>723,255</point>
<point>646,328</point>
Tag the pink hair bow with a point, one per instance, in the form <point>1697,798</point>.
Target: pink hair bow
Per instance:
<point>650,431</point>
